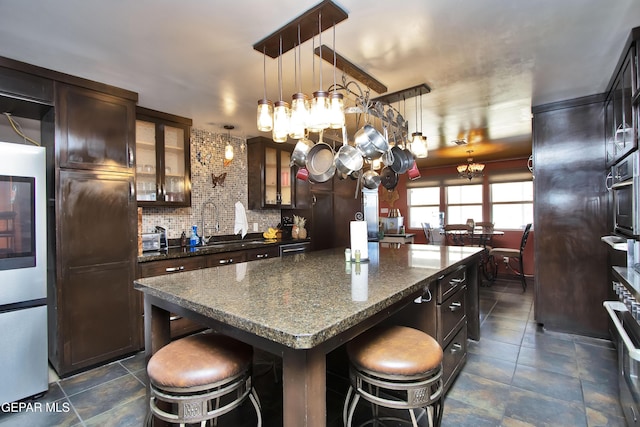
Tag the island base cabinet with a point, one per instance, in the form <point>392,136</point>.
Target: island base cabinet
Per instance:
<point>454,357</point>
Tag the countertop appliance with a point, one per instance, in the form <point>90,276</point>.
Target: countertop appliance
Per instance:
<point>23,272</point>
<point>151,242</point>
<point>293,248</point>
<point>625,331</point>
<point>626,198</point>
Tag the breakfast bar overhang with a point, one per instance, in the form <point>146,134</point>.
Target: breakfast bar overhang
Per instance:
<point>302,307</point>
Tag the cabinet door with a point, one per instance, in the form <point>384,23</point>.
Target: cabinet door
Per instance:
<point>97,307</point>
<point>163,172</point>
<point>269,174</point>
<point>94,130</point>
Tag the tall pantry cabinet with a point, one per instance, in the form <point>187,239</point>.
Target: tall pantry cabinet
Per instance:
<point>95,313</point>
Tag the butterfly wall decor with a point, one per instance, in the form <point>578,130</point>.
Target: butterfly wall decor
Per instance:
<point>218,179</point>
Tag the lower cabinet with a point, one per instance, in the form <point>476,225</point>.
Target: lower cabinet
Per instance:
<point>441,313</point>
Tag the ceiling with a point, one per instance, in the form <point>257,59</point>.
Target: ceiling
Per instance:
<point>487,62</point>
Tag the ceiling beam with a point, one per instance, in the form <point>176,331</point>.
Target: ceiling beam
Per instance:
<point>309,22</point>
<point>351,69</point>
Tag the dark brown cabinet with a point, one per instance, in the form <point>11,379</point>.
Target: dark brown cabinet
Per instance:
<point>94,130</point>
<point>270,176</point>
<point>163,161</point>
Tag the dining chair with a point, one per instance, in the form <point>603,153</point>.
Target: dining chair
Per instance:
<point>509,254</point>
<point>428,231</point>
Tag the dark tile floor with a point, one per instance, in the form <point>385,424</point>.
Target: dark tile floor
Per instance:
<point>516,375</point>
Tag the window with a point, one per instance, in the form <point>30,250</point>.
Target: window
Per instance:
<point>463,202</point>
<point>424,206</point>
<point>512,204</point>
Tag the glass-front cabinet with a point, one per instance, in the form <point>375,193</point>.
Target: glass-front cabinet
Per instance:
<point>619,121</point>
<point>163,174</point>
<point>270,176</point>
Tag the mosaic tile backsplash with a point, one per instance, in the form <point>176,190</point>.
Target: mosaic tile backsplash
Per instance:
<point>216,205</point>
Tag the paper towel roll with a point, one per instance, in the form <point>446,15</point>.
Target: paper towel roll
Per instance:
<point>359,240</point>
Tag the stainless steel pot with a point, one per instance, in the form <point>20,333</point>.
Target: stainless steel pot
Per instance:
<point>371,179</point>
<point>300,152</point>
<point>320,162</point>
<point>348,159</point>
<point>370,142</point>
<point>401,161</point>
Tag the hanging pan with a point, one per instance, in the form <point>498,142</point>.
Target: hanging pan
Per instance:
<point>388,178</point>
<point>320,163</point>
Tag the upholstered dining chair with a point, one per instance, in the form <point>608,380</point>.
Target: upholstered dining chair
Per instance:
<point>510,255</point>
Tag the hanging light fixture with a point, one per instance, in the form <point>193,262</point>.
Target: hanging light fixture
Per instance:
<point>336,103</point>
<point>265,107</point>
<point>319,112</point>
<point>228,149</point>
<point>299,101</point>
<point>470,169</point>
<point>281,112</point>
<point>419,142</point>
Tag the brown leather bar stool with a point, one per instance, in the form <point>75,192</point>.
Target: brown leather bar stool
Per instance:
<point>395,367</point>
<point>201,377</point>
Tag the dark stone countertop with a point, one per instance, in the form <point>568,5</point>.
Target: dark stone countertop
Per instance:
<point>301,301</point>
<point>221,246</point>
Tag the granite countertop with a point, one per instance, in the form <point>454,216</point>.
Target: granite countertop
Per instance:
<point>302,300</point>
<point>174,252</point>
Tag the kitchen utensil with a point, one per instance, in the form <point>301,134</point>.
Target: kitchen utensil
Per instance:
<point>370,142</point>
<point>300,152</point>
<point>414,172</point>
<point>303,174</point>
<point>348,159</point>
<point>371,179</point>
<point>388,178</point>
<point>320,162</point>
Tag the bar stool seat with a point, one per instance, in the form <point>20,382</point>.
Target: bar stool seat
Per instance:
<point>395,367</point>
<point>201,377</point>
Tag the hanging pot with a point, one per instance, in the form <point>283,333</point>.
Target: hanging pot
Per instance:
<point>348,159</point>
<point>388,178</point>
<point>371,179</point>
<point>400,162</point>
<point>370,142</point>
<point>320,163</point>
<point>300,152</point>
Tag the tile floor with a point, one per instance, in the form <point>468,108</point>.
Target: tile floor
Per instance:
<point>516,375</point>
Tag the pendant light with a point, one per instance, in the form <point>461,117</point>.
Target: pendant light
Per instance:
<point>281,111</point>
<point>228,149</point>
<point>265,107</point>
<point>419,142</point>
<point>319,112</point>
<point>299,101</point>
<point>336,100</point>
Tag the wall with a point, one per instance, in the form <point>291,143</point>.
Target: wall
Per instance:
<point>207,153</point>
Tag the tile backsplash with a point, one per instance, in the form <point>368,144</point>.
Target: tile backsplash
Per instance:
<point>217,204</point>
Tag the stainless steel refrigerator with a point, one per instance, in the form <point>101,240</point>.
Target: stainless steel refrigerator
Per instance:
<point>23,272</point>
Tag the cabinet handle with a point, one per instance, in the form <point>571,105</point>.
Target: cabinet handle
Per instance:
<point>174,318</point>
<point>633,413</point>
<point>132,191</point>
<point>278,198</point>
<point>456,305</point>
<point>455,347</point>
<point>262,256</point>
<point>131,157</point>
<point>226,261</point>
<point>174,269</point>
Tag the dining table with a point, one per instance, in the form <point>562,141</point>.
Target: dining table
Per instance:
<point>302,307</point>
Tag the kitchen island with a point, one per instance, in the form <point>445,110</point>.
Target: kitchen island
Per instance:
<point>301,307</point>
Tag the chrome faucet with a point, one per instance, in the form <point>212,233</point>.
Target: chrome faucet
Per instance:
<point>203,238</point>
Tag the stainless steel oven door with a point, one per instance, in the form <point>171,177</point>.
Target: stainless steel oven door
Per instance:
<point>627,335</point>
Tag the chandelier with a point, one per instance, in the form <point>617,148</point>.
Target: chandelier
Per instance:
<point>470,169</point>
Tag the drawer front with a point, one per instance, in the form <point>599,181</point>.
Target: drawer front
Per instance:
<point>450,314</point>
<point>455,355</point>
<point>225,258</point>
<point>158,268</point>
<point>450,283</point>
<point>263,253</point>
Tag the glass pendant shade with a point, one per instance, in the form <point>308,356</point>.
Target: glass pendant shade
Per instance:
<point>319,113</point>
<point>419,145</point>
<point>336,110</point>
<point>281,114</point>
<point>299,115</point>
<point>228,152</point>
<point>265,115</point>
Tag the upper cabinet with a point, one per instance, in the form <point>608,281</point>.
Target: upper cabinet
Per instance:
<point>621,105</point>
<point>270,176</point>
<point>163,166</point>
<point>86,142</point>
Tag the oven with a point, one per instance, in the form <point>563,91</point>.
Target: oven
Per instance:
<point>625,315</point>
<point>625,188</point>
